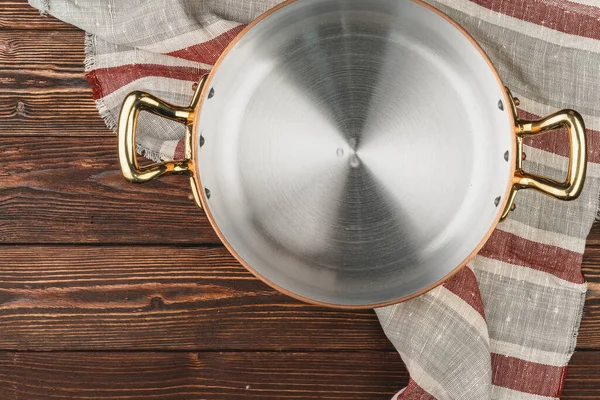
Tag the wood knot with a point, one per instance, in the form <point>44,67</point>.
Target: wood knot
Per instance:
<point>157,303</point>
<point>20,108</point>
<point>4,46</point>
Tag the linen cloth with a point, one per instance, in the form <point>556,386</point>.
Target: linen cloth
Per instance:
<point>505,327</point>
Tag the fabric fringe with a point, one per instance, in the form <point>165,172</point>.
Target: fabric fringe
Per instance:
<point>149,154</point>
<point>45,8</point>
<point>573,339</point>
<point>109,119</point>
<point>90,65</point>
<point>90,52</point>
<point>598,211</point>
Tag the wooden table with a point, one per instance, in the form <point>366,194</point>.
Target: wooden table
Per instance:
<point>111,290</point>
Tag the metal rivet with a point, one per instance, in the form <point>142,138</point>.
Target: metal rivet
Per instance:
<point>497,201</point>
<point>524,157</point>
<point>506,155</point>
<point>501,105</point>
<point>517,101</point>
<point>513,207</point>
<point>195,86</point>
<point>211,94</point>
<point>201,140</point>
<point>207,193</point>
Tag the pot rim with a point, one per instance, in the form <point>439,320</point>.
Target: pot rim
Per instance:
<point>201,195</point>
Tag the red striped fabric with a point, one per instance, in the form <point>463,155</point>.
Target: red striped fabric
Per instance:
<point>208,52</point>
<point>513,249</point>
<point>179,150</point>
<point>109,80</point>
<point>542,380</point>
<point>572,18</point>
<point>414,392</point>
<point>464,285</point>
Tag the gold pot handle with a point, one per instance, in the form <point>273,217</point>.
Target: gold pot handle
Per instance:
<point>133,104</point>
<point>571,188</point>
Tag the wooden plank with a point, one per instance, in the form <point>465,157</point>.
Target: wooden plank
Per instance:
<point>589,332</point>
<point>70,190</point>
<point>173,298</point>
<point>17,14</point>
<point>583,377</point>
<point>58,52</point>
<point>247,375</point>
<point>50,112</point>
<point>171,376</point>
<point>593,240</point>
<point>43,89</point>
<point>167,298</point>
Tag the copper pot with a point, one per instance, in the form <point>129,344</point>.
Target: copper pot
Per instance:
<point>353,153</point>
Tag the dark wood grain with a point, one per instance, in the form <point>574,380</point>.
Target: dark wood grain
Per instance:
<point>248,375</point>
<point>593,245</point>
<point>177,298</point>
<point>71,190</point>
<point>589,333</point>
<point>18,15</point>
<point>122,298</point>
<point>206,376</point>
<point>44,90</point>
<point>53,53</point>
<point>583,377</point>
<point>593,241</point>
<point>37,112</point>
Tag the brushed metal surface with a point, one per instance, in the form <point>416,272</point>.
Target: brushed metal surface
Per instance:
<point>354,150</point>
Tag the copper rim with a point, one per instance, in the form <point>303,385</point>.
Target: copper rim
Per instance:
<point>206,206</point>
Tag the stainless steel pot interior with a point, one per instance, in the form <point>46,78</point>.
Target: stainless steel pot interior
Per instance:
<point>354,150</point>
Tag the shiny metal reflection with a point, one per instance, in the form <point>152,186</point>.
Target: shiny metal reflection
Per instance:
<point>349,165</point>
